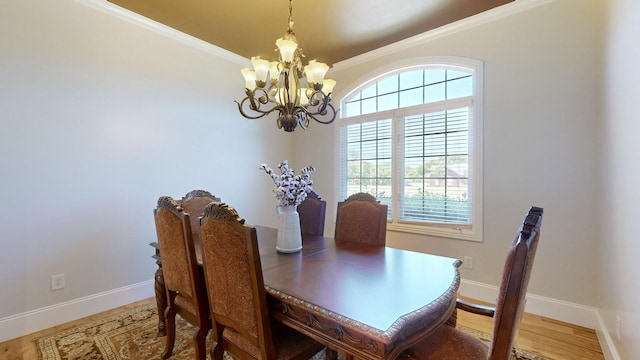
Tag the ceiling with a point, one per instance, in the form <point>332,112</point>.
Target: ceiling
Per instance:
<point>327,30</point>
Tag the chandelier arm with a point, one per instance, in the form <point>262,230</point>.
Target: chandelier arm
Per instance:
<point>328,111</point>
<point>260,112</point>
<point>324,113</point>
<point>320,100</point>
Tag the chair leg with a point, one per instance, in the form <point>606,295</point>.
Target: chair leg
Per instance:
<point>216,351</point>
<point>170,322</point>
<point>331,354</point>
<point>453,319</point>
<point>199,340</point>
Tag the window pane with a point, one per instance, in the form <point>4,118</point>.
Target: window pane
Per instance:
<point>353,169</point>
<point>413,146</point>
<point>353,151</point>
<point>413,169</point>
<point>385,128</point>
<point>388,102</point>
<point>432,76</point>
<point>372,172</point>
<point>388,85</point>
<point>413,125</point>
<point>458,143</point>
<point>436,167</point>
<point>411,79</point>
<point>411,97</point>
<point>458,166</point>
<point>454,74</point>
<point>369,91</point>
<point>435,123</point>
<point>351,109</point>
<point>384,148</point>
<point>459,88</point>
<point>433,93</point>
<point>369,106</point>
<point>458,120</point>
<point>369,131</point>
<point>434,145</point>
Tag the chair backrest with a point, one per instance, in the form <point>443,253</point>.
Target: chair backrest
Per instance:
<point>312,212</point>
<point>233,276</point>
<point>179,265</point>
<point>513,287</point>
<point>194,203</point>
<point>361,218</point>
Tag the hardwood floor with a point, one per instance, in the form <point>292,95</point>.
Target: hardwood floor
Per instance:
<point>551,338</point>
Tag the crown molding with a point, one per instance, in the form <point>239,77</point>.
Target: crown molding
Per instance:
<point>515,7</point>
<point>154,26</point>
<point>509,9</point>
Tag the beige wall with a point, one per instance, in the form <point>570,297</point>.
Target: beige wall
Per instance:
<point>619,247</point>
<point>99,118</point>
<point>541,115</point>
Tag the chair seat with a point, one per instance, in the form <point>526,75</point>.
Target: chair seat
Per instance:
<point>289,343</point>
<point>449,343</point>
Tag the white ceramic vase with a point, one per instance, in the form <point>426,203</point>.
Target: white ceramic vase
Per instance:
<point>289,237</point>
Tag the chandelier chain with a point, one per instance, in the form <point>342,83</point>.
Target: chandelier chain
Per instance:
<point>290,16</point>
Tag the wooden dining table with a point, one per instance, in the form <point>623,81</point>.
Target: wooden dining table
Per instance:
<point>359,300</point>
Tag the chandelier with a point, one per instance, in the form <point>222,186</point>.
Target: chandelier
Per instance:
<point>298,94</point>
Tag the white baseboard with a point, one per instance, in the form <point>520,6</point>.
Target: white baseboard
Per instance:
<point>572,313</point>
<point>35,320</point>
<point>606,342</point>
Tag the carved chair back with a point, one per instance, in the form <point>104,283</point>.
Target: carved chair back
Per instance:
<point>361,218</point>
<point>238,299</point>
<point>312,215</point>
<point>233,273</point>
<point>513,287</point>
<point>182,278</point>
<point>194,203</point>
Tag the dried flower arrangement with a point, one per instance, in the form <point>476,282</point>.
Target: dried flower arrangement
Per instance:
<point>290,189</point>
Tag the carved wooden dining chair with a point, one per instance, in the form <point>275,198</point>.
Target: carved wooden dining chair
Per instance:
<point>238,301</point>
<point>183,281</point>
<point>451,343</point>
<point>361,218</point>
<point>312,212</point>
<point>194,203</point>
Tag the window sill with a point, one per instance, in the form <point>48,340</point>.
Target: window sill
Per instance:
<point>459,234</point>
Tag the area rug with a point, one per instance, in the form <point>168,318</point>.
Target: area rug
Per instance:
<point>132,335</point>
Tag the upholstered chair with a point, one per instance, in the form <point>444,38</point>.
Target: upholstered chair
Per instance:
<point>361,218</point>
<point>185,289</point>
<point>312,212</point>
<point>238,303</point>
<point>451,343</point>
<point>194,203</point>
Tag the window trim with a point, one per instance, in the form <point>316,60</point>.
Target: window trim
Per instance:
<point>474,232</point>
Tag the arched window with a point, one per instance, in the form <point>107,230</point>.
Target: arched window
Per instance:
<point>413,138</point>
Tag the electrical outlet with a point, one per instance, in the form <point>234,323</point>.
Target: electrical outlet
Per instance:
<point>57,282</point>
<point>468,262</point>
<point>618,328</point>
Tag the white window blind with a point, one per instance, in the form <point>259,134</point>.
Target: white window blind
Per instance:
<point>413,140</point>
